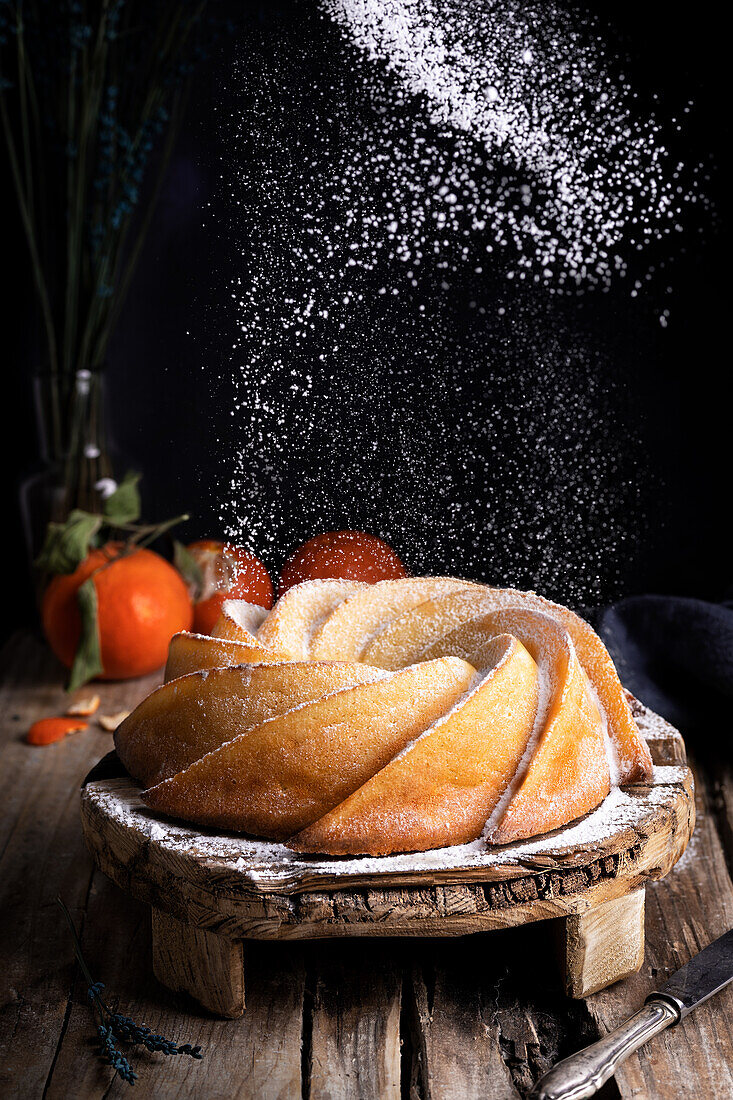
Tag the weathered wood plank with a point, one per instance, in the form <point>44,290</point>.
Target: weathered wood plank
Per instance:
<point>256,1057</point>
<point>273,1024</point>
<point>42,855</point>
<point>355,1024</point>
<point>456,1034</point>
<point>685,911</point>
<point>489,1016</point>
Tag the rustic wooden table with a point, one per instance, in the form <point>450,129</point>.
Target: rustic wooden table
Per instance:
<point>481,1016</point>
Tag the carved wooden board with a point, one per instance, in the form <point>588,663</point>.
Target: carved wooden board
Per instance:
<point>238,888</point>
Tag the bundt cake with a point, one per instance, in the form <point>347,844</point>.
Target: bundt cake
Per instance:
<point>378,718</point>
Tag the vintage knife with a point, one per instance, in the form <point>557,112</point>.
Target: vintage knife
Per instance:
<point>582,1074</point>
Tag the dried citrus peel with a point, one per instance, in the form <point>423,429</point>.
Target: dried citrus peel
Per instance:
<point>47,730</point>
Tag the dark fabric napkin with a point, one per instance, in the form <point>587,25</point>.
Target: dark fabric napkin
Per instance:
<point>676,655</point>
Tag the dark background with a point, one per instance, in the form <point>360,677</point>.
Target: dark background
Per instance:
<point>166,412</point>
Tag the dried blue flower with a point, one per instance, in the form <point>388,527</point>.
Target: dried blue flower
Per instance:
<point>94,991</point>
<point>114,1027</point>
<point>113,1057</point>
<point>113,20</point>
<point>193,1052</point>
<point>162,40</point>
<point>79,35</point>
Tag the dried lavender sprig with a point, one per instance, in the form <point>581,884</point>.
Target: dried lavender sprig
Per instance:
<point>114,1026</point>
<point>65,89</point>
<point>125,1028</point>
<point>112,1057</point>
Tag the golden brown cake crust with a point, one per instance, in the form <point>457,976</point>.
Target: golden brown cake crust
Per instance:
<point>399,716</point>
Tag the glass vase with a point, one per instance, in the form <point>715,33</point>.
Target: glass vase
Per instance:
<point>73,452</point>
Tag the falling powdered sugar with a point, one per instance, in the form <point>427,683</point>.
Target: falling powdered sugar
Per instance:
<point>412,218</point>
<point>528,82</point>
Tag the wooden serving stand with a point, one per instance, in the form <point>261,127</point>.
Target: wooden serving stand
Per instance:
<point>209,893</point>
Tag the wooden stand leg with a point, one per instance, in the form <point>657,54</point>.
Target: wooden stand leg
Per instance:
<point>192,960</point>
<point>604,944</point>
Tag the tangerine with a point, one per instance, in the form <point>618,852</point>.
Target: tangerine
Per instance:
<point>343,555</point>
<point>142,602</point>
<point>229,573</point>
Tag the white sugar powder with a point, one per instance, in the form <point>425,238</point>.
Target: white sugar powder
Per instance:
<point>273,866</point>
<point>472,149</point>
<point>529,83</point>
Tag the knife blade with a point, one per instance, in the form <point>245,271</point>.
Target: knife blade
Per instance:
<point>700,978</point>
<point>583,1073</point>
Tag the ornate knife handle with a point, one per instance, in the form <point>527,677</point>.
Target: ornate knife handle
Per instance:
<point>582,1074</point>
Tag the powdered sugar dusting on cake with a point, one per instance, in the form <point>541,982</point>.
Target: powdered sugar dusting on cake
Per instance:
<point>473,687</point>
<point>291,624</point>
<point>273,866</point>
<point>610,744</point>
<point>247,615</point>
<point>359,618</point>
<point>547,686</point>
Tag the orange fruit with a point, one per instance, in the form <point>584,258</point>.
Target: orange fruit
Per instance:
<point>343,555</point>
<point>142,602</point>
<point>229,573</point>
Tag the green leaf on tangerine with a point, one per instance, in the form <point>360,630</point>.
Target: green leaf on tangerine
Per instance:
<point>189,568</point>
<point>67,544</point>
<point>88,659</point>
<point>123,505</point>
